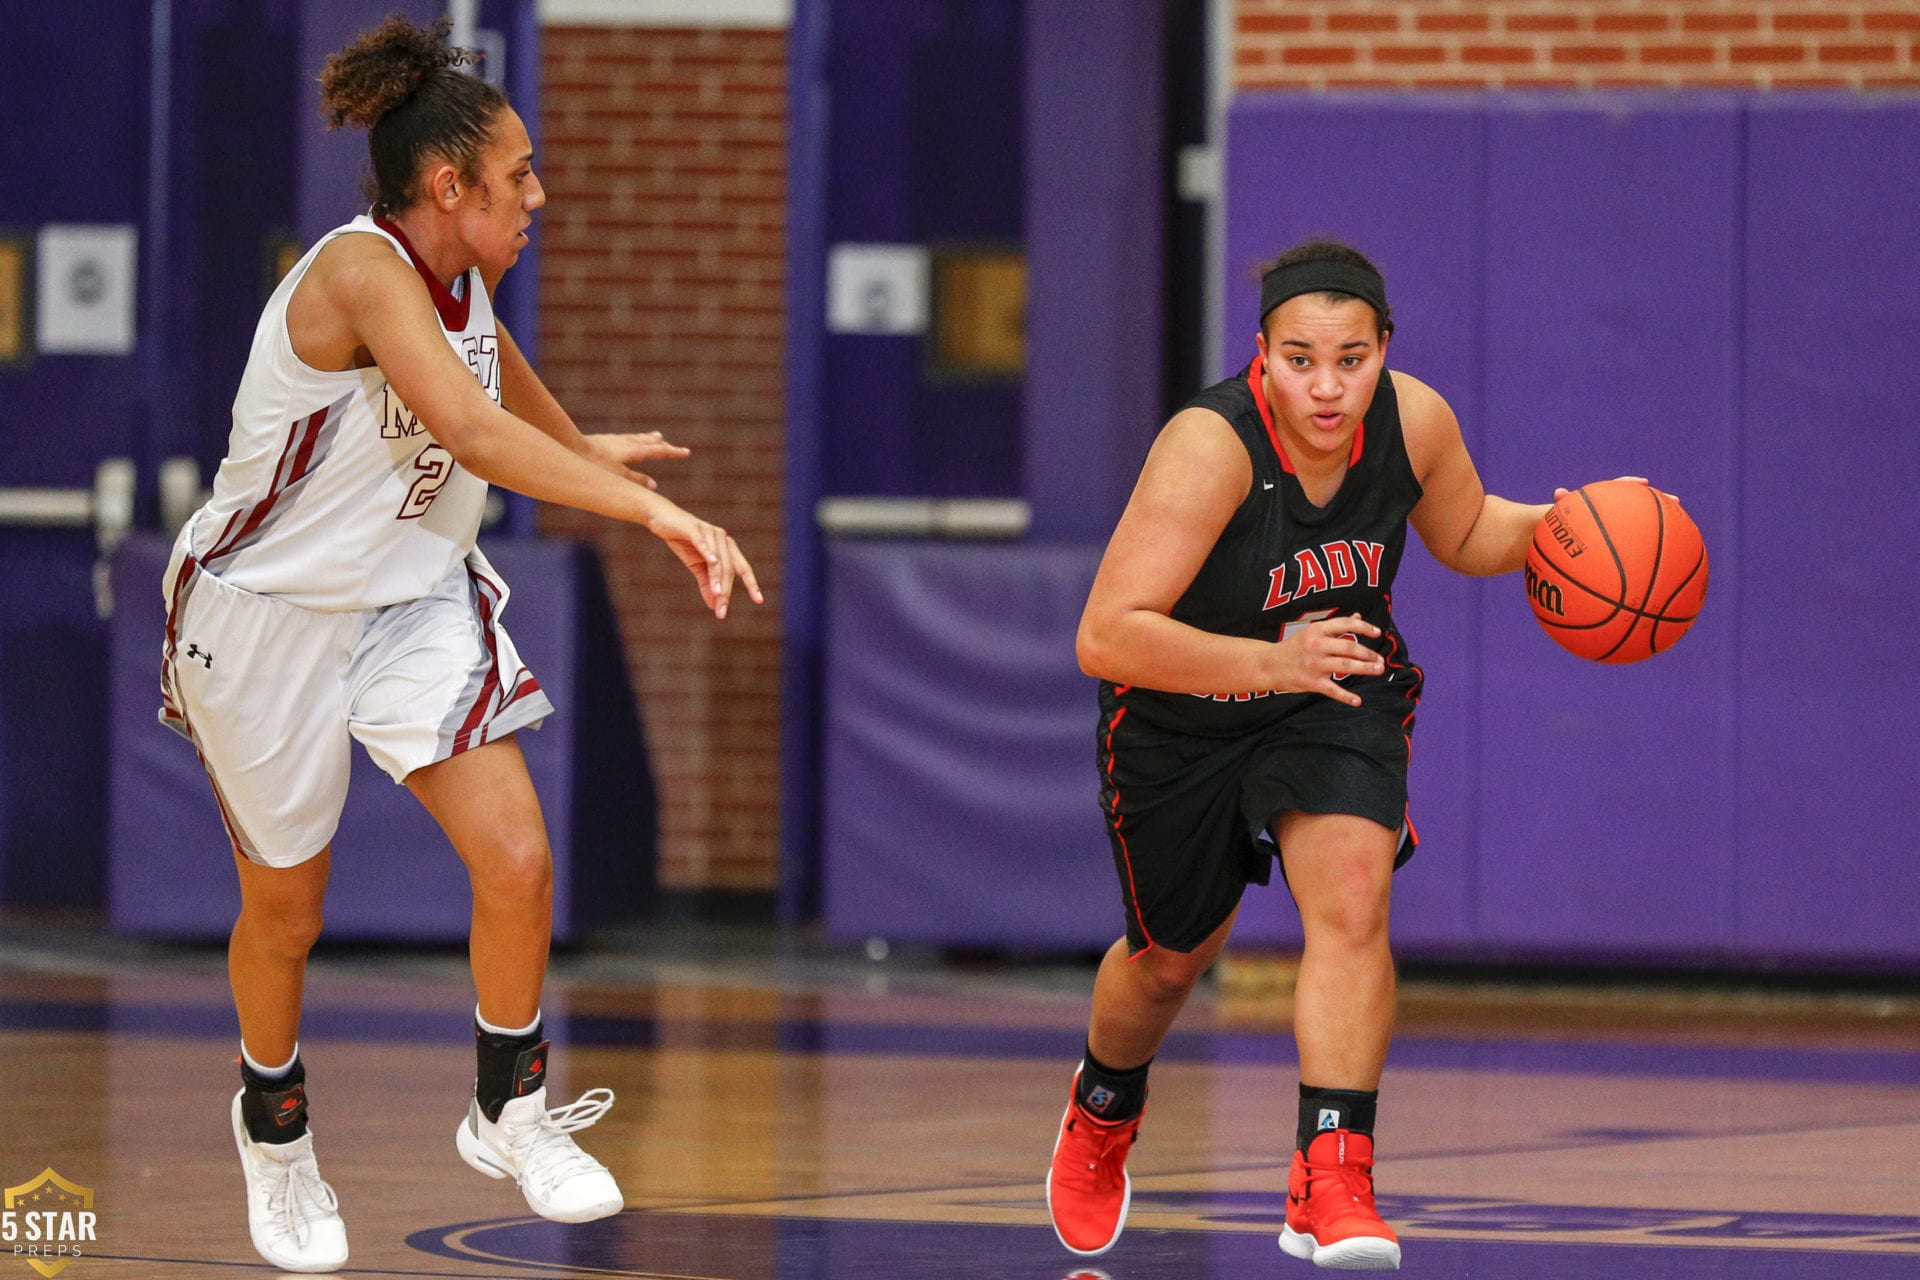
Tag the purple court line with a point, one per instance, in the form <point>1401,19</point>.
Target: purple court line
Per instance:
<point>1611,1058</point>
<point>640,1243</point>
<point>269,1267</point>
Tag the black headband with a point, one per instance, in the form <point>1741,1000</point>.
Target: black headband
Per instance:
<point>1324,275</point>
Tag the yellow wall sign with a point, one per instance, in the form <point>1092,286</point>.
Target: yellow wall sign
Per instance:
<point>979,312</point>
<point>13,300</point>
<point>48,1223</point>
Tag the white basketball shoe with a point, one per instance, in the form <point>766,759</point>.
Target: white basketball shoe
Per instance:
<point>292,1213</point>
<point>533,1146</point>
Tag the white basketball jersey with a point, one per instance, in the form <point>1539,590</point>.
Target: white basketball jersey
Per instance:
<point>332,495</point>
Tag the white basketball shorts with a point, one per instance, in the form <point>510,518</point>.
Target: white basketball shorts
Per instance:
<point>270,693</point>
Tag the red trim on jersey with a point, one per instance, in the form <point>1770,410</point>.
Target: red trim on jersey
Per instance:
<point>1256,383</point>
<point>295,456</point>
<point>1126,855</point>
<point>453,311</point>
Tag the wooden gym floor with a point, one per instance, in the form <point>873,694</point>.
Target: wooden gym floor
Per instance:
<point>794,1111</point>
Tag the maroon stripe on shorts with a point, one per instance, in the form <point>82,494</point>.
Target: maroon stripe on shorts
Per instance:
<point>486,591</point>
<point>188,565</point>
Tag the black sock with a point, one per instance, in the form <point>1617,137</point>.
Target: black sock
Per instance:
<point>509,1067</point>
<point>1110,1095</point>
<point>274,1109</point>
<point>1324,1109</point>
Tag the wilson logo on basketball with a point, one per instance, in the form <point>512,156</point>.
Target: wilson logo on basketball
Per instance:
<point>1545,594</point>
<point>1564,536</point>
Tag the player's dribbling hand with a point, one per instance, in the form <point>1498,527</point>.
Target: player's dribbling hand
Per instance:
<point>620,451</point>
<point>1309,660</point>
<point>711,556</point>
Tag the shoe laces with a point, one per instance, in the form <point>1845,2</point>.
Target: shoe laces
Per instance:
<point>544,1149</point>
<point>299,1197</point>
<point>1096,1154</point>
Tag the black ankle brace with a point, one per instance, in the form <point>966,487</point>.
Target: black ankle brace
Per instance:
<point>1325,1109</point>
<point>274,1109</point>
<point>1109,1095</point>
<point>508,1067</point>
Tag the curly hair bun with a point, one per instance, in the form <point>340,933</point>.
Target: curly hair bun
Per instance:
<point>376,73</point>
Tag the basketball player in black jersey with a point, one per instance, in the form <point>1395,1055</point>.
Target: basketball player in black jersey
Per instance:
<point>1257,700</point>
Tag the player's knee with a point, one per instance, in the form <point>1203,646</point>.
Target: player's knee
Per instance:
<point>1354,918</point>
<point>285,926</point>
<point>515,866</point>
<point>1170,975</point>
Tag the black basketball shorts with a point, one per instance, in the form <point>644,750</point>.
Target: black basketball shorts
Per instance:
<point>1186,813</point>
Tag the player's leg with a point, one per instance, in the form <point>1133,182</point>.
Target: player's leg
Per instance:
<point>1136,997</point>
<point>292,1213</point>
<point>1340,868</point>
<point>484,800</point>
<point>280,918</point>
<point>260,697</point>
<point>1182,857</point>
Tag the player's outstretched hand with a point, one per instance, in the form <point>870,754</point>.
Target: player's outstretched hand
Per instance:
<point>619,452</point>
<point>1309,660</point>
<point>711,556</point>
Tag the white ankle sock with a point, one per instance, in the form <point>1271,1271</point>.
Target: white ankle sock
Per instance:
<point>270,1073</point>
<point>484,1025</point>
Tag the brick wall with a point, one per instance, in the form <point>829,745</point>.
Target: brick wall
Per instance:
<point>1575,44</point>
<point>664,159</point>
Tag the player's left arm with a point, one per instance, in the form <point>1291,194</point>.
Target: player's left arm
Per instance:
<point>1466,528</point>
<point>524,395</point>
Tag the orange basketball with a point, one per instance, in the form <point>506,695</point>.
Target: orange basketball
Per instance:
<point>1617,571</point>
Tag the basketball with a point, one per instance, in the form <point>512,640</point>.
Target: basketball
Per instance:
<point>1617,572</point>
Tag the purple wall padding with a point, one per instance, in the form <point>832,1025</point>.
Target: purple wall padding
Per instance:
<point>170,869</point>
<point>961,802</point>
<point>1093,254</point>
<point>1613,346</point>
<point>332,162</point>
<point>1828,661</point>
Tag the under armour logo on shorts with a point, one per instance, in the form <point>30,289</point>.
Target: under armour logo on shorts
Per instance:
<point>195,651</point>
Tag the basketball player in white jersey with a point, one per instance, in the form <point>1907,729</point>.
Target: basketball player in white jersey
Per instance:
<point>330,590</point>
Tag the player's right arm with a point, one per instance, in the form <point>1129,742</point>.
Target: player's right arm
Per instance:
<point>366,295</point>
<point>1195,477</point>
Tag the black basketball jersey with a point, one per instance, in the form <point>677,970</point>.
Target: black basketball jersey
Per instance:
<point>1283,561</point>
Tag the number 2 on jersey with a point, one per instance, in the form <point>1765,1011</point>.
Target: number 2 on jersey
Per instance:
<point>435,466</point>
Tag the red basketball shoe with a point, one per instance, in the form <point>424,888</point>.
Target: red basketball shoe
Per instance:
<point>1088,1190</point>
<point>1330,1214</point>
